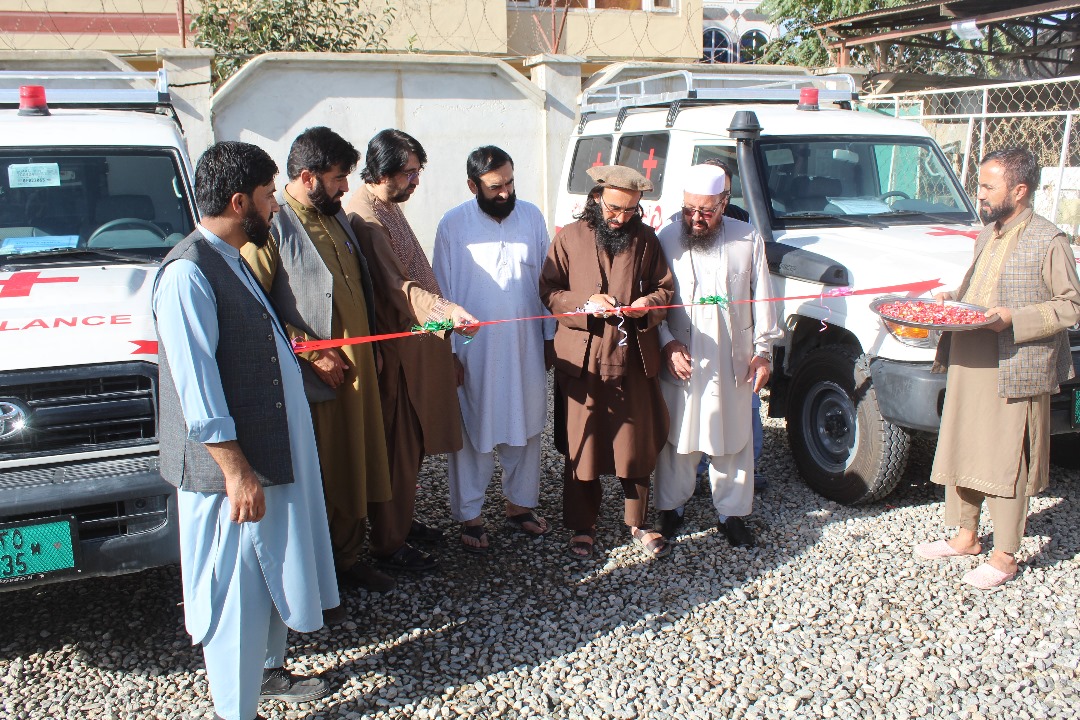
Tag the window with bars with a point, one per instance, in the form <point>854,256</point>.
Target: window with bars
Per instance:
<point>646,5</point>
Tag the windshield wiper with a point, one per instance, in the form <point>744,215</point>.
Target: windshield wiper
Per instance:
<point>936,218</point>
<point>848,219</point>
<point>81,251</point>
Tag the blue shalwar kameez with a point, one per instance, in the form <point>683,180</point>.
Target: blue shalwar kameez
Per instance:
<point>244,584</point>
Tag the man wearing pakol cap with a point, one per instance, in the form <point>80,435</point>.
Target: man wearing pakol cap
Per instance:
<point>606,363</point>
<point>716,355</point>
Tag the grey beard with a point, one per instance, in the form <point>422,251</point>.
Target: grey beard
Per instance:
<point>700,243</point>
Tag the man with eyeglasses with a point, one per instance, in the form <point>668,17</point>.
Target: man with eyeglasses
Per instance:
<point>606,362</point>
<point>717,355</point>
<point>417,378</point>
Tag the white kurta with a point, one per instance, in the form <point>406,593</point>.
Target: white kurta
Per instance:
<point>492,269</point>
<point>711,412</point>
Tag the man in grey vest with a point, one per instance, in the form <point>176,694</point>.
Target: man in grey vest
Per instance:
<point>994,442</point>
<point>236,439</point>
<point>315,272</point>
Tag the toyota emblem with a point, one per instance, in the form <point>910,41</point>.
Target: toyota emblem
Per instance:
<point>13,417</point>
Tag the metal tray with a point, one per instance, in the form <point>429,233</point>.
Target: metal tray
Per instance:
<point>876,304</point>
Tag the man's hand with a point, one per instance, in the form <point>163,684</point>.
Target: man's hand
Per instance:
<point>944,295</point>
<point>1002,320</point>
<point>637,308</point>
<point>606,303</point>
<point>459,371</point>
<point>759,372</point>
<point>247,502</point>
<point>461,317</point>
<point>549,354</point>
<point>330,366</point>
<point>678,359</point>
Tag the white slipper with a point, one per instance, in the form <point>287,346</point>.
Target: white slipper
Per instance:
<point>987,576</point>
<point>936,550</point>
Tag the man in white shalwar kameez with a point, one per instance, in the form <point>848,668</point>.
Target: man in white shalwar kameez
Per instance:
<point>488,255</point>
<point>255,549</point>
<point>717,355</point>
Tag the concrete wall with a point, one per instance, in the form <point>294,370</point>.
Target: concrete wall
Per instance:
<point>610,34</point>
<point>450,104</point>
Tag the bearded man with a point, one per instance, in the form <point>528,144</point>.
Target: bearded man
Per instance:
<point>994,442</point>
<point>236,440</point>
<point>610,263</point>
<point>318,278</point>
<point>716,356</point>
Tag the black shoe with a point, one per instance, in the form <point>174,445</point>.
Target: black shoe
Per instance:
<point>368,577</point>
<point>257,717</point>
<point>408,559</point>
<point>668,523</point>
<point>419,532</point>
<point>737,533</point>
<point>335,616</point>
<point>280,684</point>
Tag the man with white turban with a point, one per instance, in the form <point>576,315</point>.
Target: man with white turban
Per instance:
<point>717,355</point>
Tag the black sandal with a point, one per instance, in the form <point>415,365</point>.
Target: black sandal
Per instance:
<point>409,559</point>
<point>478,533</point>
<point>518,522</point>
<point>658,547</point>
<point>588,547</point>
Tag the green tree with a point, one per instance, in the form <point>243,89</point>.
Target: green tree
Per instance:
<point>239,29</point>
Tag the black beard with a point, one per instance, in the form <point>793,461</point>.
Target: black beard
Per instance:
<point>993,214</point>
<point>699,241</point>
<point>322,201</point>
<point>494,208</point>
<point>616,241</point>
<point>256,228</point>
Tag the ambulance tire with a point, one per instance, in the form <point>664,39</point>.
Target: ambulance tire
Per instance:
<point>843,448</point>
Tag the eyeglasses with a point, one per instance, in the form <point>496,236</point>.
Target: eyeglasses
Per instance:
<point>706,214</point>
<point>411,175</point>
<point>616,210</point>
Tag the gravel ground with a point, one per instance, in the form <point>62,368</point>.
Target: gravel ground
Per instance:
<point>830,616</point>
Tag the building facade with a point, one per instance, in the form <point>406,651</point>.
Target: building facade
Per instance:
<point>734,32</point>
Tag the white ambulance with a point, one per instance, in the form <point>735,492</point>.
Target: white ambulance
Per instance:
<point>95,188</point>
<point>846,200</point>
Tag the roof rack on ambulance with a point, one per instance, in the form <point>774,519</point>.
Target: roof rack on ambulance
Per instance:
<point>148,91</point>
<point>682,87</point>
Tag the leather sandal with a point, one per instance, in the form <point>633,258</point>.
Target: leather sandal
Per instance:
<point>582,549</point>
<point>658,547</point>
<point>478,533</point>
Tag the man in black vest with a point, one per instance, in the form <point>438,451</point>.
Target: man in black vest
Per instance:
<point>236,439</point>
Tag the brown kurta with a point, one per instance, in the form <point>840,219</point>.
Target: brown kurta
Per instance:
<point>981,443</point>
<point>352,450</point>
<point>426,361</point>
<point>616,418</point>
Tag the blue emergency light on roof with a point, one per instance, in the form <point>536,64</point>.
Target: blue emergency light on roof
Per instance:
<point>32,100</point>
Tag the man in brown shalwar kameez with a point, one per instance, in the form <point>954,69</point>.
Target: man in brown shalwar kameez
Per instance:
<point>994,442</point>
<point>606,364</point>
<point>418,379</point>
<point>317,277</point>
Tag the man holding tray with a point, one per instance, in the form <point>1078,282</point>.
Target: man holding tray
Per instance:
<point>994,442</point>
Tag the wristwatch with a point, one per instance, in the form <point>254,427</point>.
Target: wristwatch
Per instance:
<point>765,354</point>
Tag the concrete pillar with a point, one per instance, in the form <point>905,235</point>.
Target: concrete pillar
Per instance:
<point>190,87</point>
<point>559,76</point>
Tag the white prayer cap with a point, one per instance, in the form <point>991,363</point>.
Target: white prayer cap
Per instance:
<point>705,180</point>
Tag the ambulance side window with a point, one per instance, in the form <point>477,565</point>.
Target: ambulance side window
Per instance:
<point>726,155</point>
<point>647,154</point>
<point>590,151</point>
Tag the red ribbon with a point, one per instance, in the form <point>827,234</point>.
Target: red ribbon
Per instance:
<point>918,288</point>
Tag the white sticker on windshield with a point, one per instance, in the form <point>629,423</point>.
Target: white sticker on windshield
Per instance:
<point>14,245</point>
<point>33,175</point>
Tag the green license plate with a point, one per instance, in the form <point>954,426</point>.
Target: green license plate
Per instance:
<point>32,549</point>
<point>1076,408</point>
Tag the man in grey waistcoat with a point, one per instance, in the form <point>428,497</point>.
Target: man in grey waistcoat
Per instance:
<point>236,439</point>
<point>994,442</point>
<point>318,277</point>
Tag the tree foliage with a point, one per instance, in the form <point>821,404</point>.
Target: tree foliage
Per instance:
<point>239,29</point>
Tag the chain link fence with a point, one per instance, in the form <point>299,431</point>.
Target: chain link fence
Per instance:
<point>971,122</point>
